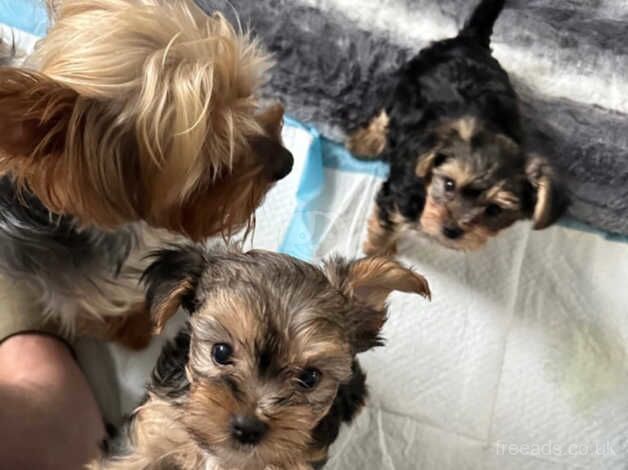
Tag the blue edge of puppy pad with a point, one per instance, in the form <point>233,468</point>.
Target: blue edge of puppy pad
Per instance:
<point>26,15</point>
<point>299,240</point>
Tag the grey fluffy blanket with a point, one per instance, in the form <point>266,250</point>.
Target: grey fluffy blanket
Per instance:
<point>567,58</point>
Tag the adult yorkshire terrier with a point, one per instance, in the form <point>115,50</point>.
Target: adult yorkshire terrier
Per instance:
<point>136,120</point>
<point>451,130</point>
<point>265,371</point>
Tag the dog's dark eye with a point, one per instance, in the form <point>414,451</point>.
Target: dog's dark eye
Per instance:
<point>309,378</point>
<point>449,185</point>
<point>493,210</point>
<point>222,353</point>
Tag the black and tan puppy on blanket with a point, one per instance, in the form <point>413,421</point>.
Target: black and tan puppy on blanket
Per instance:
<point>451,129</point>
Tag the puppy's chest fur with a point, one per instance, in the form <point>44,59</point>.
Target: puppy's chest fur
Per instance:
<point>74,272</point>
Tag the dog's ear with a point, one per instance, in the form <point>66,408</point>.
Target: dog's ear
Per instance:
<point>550,198</point>
<point>35,113</point>
<point>55,141</point>
<point>429,155</point>
<point>171,281</point>
<point>425,164</point>
<point>370,140</point>
<point>367,283</point>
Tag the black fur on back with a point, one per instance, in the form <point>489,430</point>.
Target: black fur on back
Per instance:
<point>37,243</point>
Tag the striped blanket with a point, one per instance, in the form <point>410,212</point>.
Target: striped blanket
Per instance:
<point>567,58</point>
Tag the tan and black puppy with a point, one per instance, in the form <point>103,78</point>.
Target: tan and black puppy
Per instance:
<point>134,123</point>
<point>265,371</point>
<point>460,171</point>
<point>142,110</point>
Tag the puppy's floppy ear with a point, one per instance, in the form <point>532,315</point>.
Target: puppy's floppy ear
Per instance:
<point>35,113</point>
<point>550,198</point>
<point>171,281</point>
<point>426,163</point>
<point>367,283</point>
<point>429,155</point>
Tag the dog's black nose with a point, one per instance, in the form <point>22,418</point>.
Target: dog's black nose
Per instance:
<point>452,232</point>
<point>282,164</point>
<point>277,159</point>
<point>248,429</point>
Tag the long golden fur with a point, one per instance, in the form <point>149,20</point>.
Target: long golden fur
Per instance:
<point>140,109</point>
<point>131,117</point>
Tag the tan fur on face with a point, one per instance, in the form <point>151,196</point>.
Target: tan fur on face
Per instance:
<point>491,179</point>
<point>457,170</point>
<point>283,446</point>
<point>140,110</point>
<point>462,174</point>
<point>370,141</point>
<point>161,439</point>
<point>435,216</point>
<point>424,165</point>
<point>464,211</point>
<point>466,127</point>
<point>238,316</point>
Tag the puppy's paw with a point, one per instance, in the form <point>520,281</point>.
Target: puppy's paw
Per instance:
<point>372,248</point>
<point>380,240</point>
<point>370,141</point>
